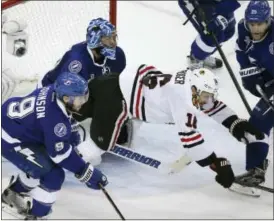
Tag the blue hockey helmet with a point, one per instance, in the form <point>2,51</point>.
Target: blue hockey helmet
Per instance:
<point>258,11</point>
<point>72,86</point>
<point>97,29</point>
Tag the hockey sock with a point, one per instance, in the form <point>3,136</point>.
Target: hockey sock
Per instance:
<point>256,153</point>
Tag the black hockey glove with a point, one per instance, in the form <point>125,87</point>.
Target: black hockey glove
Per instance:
<point>240,127</point>
<point>225,175</point>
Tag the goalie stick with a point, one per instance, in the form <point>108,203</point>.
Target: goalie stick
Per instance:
<point>150,161</point>
<point>147,161</point>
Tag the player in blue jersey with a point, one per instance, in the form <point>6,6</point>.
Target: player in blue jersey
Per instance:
<point>97,55</point>
<point>219,15</point>
<point>255,55</point>
<point>39,136</point>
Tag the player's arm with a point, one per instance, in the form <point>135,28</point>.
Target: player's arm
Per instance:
<point>242,44</point>
<point>68,63</point>
<point>241,129</point>
<point>59,146</point>
<point>250,73</point>
<point>226,7</point>
<point>120,60</point>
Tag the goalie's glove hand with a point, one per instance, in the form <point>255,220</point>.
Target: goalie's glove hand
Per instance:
<point>217,24</point>
<point>241,129</point>
<point>92,177</point>
<point>225,175</point>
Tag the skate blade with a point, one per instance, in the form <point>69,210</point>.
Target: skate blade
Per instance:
<point>247,191</point>
<point>11,212</point>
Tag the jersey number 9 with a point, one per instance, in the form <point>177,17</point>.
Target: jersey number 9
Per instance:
<point>21,109</point>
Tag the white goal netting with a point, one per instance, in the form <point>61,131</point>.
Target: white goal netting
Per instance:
<point>53,27</point>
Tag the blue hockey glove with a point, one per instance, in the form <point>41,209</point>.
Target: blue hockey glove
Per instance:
<point>219,23</point>
<point>92,177</point>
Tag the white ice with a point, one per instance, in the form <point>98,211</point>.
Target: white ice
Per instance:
<point>152,33</point>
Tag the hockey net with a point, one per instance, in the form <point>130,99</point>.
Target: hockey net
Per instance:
<point>53,27</point>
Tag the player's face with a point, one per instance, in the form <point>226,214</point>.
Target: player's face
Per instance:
<point>257,29</point>
<point>205,98</point>
<point>110,41</point>
<point>79,101</point>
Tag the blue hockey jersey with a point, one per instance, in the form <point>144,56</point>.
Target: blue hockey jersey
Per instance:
<point>215,7</point>
<point>41,119</point>
<point>79,60</point>
<point>258,54</point>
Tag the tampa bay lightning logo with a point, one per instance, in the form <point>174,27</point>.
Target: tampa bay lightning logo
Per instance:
<point>106,70</point>
<point>67,82</point>
<point>75,66</point>
<point>60,130</point>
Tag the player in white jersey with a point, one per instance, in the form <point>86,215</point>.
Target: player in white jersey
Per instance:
<point>179,98</point>
<point>165,98</point>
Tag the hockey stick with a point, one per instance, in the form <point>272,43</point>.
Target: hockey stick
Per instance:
<point>264,97</point>
<point>150,162</point>
<point>111,201</point>
<point>228,67</point>
<point>266,189</point>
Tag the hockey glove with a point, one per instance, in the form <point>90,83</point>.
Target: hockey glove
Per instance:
<point>240,129</point>
<point>92,177</point>
<point>225,175</point>
<point>219,23</point>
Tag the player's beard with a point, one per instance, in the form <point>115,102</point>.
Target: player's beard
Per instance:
<point>71,109</point>
<point>260,32</point>
<point>258,36</point>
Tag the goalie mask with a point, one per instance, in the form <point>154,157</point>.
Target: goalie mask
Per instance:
<point>101,35</point>
<point>204,86</point>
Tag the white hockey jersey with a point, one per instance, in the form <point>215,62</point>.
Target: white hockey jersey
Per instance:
<point>170,102</point>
